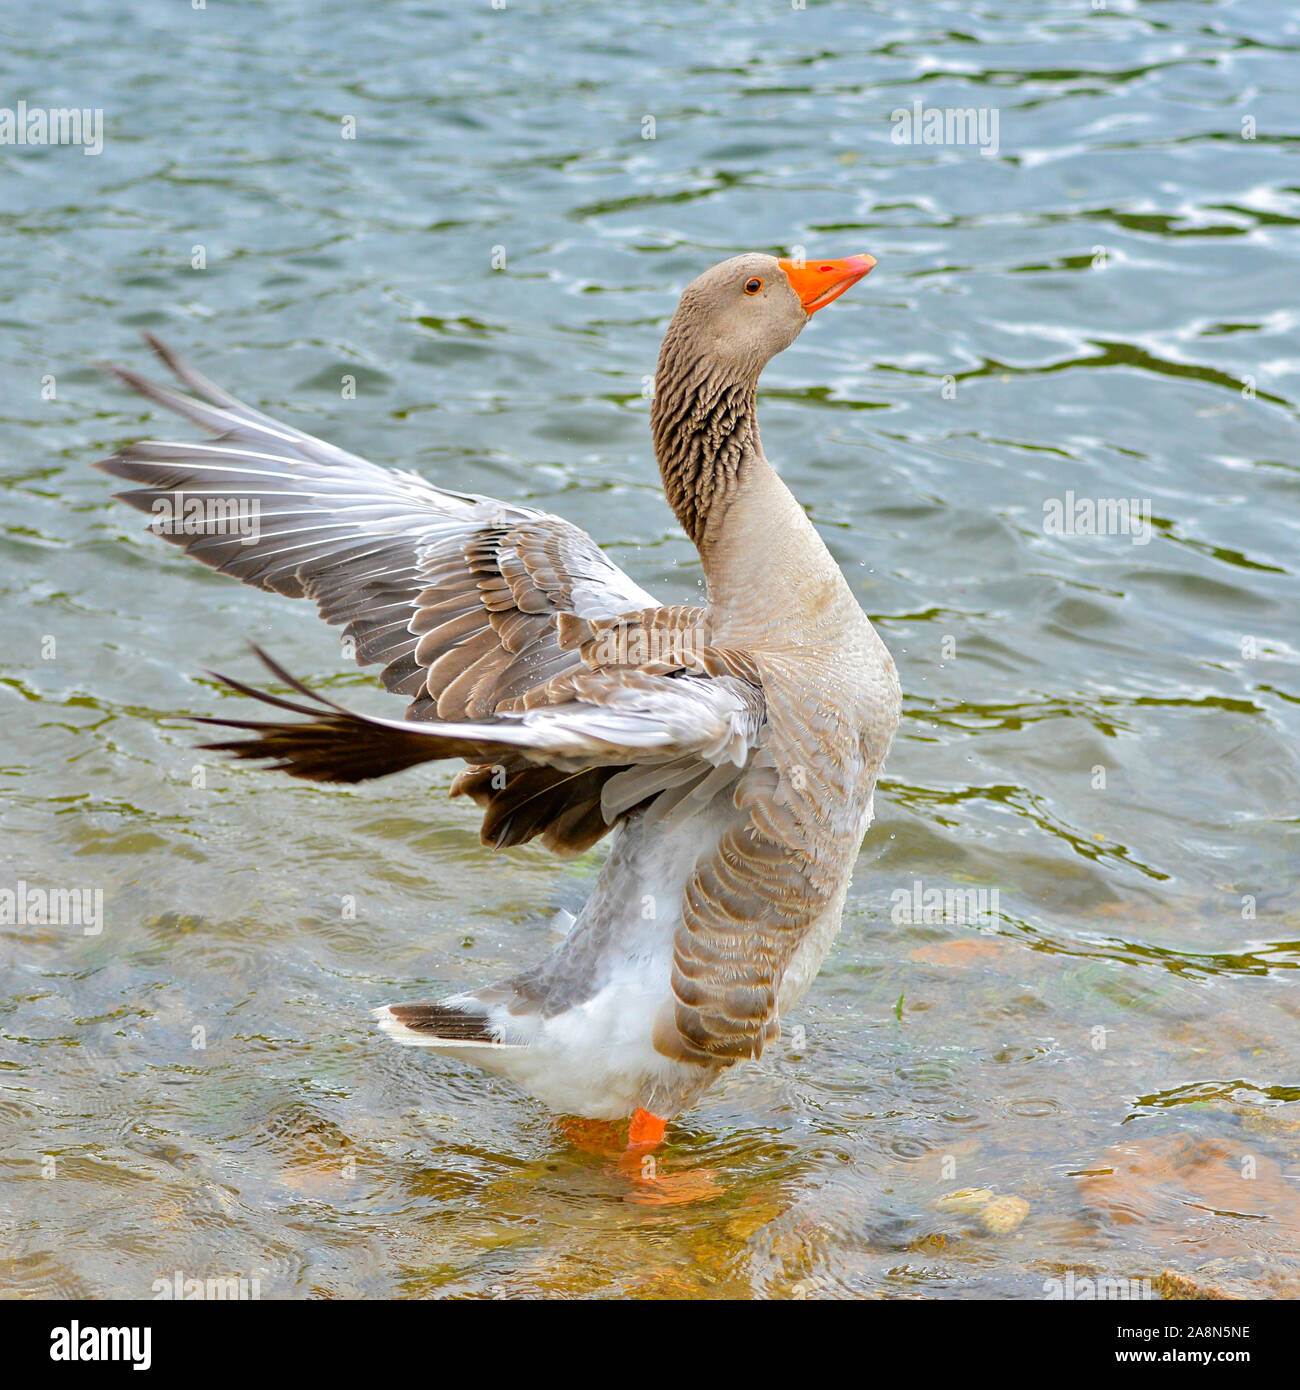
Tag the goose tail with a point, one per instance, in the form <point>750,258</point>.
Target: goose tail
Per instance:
<point>456,1027</point>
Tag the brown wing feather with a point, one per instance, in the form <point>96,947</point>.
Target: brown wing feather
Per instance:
<point>427,581</point>
<point>521,801</point>
<point>473,606</point>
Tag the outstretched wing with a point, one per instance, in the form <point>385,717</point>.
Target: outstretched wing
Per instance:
<point>459,595</point>
<point>484,613</point>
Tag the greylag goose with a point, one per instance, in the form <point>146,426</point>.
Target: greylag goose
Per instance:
<point>729,751</point>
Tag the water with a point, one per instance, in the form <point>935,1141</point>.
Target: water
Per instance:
<point>1104,732</point>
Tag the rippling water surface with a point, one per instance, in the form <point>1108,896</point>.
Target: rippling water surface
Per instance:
<point>1101,731</point>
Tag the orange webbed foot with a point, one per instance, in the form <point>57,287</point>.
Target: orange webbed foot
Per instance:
<point>644,1135</point>
<point>653,1187</point>
<point>646,1129</point>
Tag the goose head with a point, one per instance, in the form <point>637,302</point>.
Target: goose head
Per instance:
<point>731,322</point>
<point>739,314</point>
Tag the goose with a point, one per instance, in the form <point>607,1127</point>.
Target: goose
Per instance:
<point>729,751</point>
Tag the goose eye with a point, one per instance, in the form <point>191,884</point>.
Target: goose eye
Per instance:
<point>753,286</point>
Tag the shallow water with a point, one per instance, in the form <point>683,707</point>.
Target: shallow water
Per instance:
<point>1103,733</point>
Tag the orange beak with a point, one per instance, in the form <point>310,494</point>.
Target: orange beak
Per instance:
<point>818,282</point>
